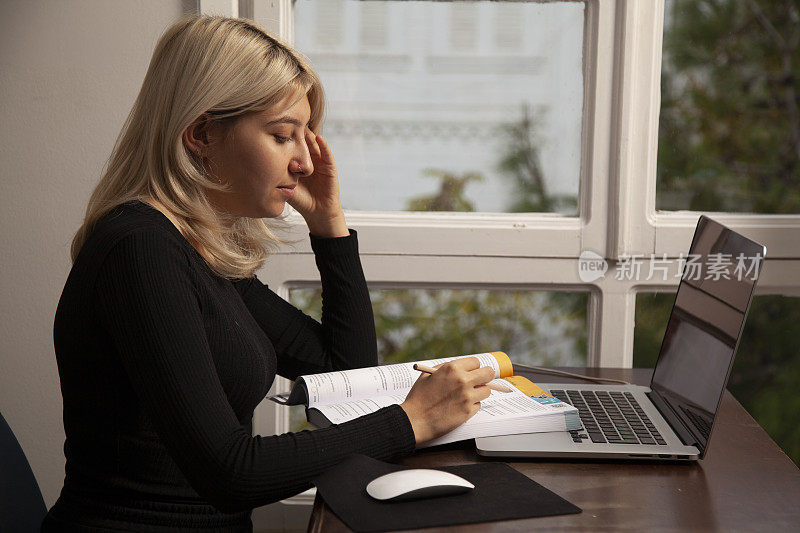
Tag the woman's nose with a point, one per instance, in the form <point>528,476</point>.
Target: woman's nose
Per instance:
<point>303,165</point>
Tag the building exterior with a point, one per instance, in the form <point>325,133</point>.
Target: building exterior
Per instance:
<point>429,85</point>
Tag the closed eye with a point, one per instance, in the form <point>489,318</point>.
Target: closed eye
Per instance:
<point>282,139</point>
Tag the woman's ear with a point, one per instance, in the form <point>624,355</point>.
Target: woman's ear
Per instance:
<point>196,136</point>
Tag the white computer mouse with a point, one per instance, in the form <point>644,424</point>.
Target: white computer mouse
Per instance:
<point>416,483</point>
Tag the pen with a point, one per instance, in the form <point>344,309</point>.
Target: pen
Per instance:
<point>429,370</point>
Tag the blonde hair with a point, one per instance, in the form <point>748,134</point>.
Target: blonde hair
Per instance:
<point>222,67</point>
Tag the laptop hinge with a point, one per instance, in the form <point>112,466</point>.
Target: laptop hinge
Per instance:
<point>674,420</point>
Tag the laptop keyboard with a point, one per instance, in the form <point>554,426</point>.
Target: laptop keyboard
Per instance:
<point>700,422</point>
<point>611,417</point>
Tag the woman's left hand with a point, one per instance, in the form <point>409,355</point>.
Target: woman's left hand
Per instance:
<point>316,196</point>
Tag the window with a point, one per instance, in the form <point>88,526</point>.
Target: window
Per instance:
<point>329,25</point>
<point>729,136</point>
<point>633,196</point>
<point>540,327</point>
<point>451,106</point>
<point>765,371</point>
<point>729,141</point>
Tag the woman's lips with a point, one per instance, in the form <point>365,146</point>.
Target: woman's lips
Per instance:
<point>287,190</point>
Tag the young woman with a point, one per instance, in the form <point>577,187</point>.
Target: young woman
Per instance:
<point>165,339</point>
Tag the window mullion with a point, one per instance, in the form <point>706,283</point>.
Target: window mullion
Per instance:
<point>639,28</point>
<point>225,8</point>
<point>632,151</point>
<point>276,16</point>
<point>617,308</point>
<point>598,48</point>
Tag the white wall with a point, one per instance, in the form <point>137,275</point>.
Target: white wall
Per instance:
<point>69,73</point>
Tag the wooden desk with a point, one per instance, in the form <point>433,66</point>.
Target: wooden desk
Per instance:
<point>745,483</point>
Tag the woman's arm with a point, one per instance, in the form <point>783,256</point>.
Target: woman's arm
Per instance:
<point>148,303</point>
<point>346,337</point>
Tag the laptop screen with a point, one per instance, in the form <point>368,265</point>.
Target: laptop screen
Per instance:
<point>710,307</point>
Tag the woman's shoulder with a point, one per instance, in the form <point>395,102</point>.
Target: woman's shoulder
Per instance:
<point>133,221</point>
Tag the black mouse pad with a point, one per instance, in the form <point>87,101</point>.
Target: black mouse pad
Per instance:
<point>500,493</point>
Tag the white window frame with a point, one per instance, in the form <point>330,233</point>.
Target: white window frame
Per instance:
<point>622,74</point>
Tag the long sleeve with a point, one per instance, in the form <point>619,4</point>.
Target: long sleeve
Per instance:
<point>346,337</point>
<point>150,304</point>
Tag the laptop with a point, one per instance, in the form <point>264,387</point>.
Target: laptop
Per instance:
<point>673,418</point>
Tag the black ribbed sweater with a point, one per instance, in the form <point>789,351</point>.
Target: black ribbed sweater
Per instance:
<point>162,364</point>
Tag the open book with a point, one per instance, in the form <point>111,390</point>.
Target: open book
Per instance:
<point>336,397</point>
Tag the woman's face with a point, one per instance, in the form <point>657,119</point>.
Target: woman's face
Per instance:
<point>261,158</point>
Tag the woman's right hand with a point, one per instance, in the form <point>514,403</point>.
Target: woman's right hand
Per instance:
<point>442,401</point>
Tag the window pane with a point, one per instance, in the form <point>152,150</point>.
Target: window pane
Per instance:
<point>450,106</point>
<point>729,131</point>
<point>766,369</point>
<point>532,327</point>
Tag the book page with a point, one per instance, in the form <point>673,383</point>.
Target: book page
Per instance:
<point>499,406</point>
<point>514,413</point>
<point>342,412</point>
<point>347,385</point>
<point>506,405</point>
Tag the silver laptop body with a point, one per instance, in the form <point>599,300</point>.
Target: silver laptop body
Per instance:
<point>688,381</point>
